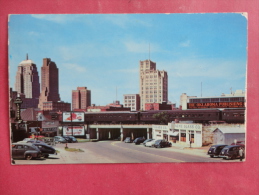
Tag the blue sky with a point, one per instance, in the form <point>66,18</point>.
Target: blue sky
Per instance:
<point>102,51</point>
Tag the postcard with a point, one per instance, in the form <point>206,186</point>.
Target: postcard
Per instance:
<point>127,88</point>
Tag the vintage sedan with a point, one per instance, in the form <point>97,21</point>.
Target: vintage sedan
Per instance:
<point>230,152</point>
<point>151,143</point>
<point>127,140</point>
<point>161,143</point>
<point>46,150</point>
<point>147,140</point>
<point>139,140</point>
<point>215,150</point>
<point>25,150</point>
<point>59,139</point>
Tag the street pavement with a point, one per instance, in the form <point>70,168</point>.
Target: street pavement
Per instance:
<point>119,152</point>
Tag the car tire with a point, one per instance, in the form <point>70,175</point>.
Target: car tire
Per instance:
<point>211,156</point>
<point>28,157</point>
<point>46,156</point>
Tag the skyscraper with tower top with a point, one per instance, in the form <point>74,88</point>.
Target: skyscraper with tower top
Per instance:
<point>27,83</point>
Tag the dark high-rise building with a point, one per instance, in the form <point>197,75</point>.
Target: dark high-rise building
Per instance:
<point>27,82</point>
<point>49,83</point>
<point>81,98</point>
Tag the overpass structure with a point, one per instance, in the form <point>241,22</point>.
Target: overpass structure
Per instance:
<point>118,131</point>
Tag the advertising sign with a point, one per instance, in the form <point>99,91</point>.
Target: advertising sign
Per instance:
<point>195,126</point>
<point>73,117</point>
<point>216,105</point>
<point>77,130</point>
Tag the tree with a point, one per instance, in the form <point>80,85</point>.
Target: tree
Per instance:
<point>162,117</point>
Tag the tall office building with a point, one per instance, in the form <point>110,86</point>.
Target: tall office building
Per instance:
<point>81,98</point>
<point>27,82</point>
<point>49,83</point>
<point>153,84</point>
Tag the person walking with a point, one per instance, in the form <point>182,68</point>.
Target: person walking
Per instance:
<point>241,153</point>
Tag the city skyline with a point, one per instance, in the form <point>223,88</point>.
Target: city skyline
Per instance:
<point>102,51</point>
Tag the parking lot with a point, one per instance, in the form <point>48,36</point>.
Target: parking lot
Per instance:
<point>120,152</point>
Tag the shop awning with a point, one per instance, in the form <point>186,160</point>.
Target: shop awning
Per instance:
<point>174,134</point>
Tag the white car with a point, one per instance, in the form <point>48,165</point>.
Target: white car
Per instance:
<point>151,143</point>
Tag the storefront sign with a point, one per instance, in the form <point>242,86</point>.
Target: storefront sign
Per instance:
<point>73,117</point>
<point>216,105</point>
<point>188,126</point>
<point>77,130</point>
<point>160,127</point>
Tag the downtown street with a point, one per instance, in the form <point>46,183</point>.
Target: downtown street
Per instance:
<point>119,152</point>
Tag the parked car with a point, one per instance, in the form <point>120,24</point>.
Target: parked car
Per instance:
<point>161,143</point>
<point>139,140</point>
<point>25,150</point>
<point>147,140</point>
<point>128,140</point>
<point>230,152</point>
<point>68,139</point>
<point>59,139</point>
<point>35,141</point>
<point>215,150</point>
<point>239,143</point>
<point>151,143</point>
<point>46,150</point>
<point>73,138</point>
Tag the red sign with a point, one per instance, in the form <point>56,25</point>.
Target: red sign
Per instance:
<point>216,105</point>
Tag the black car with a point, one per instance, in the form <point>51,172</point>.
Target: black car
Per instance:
<point>162,143</point>
<point>45,149</point>
<point>73,138</point>
<point>25,150</point>
<point>33,141</point>
<point>147,140</point>
<point>139,140</point>
<point>230,152</point>
<point>59,139</point>
<point>215,150</point>
<point>128,140</point>
<point>69,140</point>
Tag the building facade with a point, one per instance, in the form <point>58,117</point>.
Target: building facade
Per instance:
<point>59,106</point>
<point>81,98</point>
<point>157,106</point>
<point>233,100</point>
<point>132,101</point>
<point>27,83</point>
<point>49,83</point>
<point>153,84</point>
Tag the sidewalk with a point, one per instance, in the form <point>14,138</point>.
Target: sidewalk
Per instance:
<point>201,151</point>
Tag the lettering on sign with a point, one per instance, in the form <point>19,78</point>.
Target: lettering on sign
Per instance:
<point>216,105</point>
<point>188,126</point>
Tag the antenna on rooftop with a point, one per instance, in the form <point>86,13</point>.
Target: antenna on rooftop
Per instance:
<point>27,57</point>
<point>149,51</point>
<point>201,89</point>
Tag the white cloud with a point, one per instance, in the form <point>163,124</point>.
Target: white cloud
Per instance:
<point>140,47</point>
<point>58,18</point>
<point>185,43</point>
<point>123,20</point>
<point>75,67</point>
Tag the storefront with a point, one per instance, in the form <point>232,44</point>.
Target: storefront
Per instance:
<point>186,134</point>
<point>179,133</point>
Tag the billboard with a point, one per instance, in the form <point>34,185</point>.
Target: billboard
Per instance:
<point>216,105</point>
<point>73,117</point>
<point>77,130</point>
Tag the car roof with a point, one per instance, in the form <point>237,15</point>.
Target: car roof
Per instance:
<point>232,146</point>
<point>219,145</point>
<point>26,144</point>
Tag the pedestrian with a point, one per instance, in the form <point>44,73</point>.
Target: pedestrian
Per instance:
<point>241,153</point>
